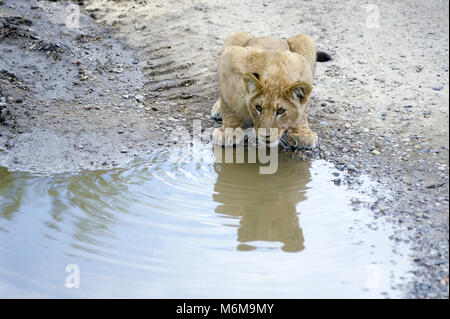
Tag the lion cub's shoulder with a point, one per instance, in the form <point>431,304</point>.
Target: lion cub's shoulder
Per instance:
<point>268,43</point>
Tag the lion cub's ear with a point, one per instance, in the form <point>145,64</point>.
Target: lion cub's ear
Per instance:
<point>252,82</point>
<point>300,90</point>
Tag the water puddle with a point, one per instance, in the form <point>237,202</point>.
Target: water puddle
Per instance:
<point>208,230</point>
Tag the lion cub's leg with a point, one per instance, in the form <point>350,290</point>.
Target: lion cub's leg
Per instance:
<point>232,130</point>
<point>304,45</point>
<point>301,135</point>
<point>216,112</point>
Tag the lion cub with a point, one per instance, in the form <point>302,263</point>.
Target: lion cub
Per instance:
<point>266,82</point>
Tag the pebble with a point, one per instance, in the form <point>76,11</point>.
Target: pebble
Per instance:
<point>376,152</point>
<point>438,87</point>
<point>139,98</point>
<point>379,142</point>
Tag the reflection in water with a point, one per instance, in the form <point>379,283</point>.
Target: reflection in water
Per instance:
<point>162,229</point>
<point>10,194</point>
<point>266,203</point>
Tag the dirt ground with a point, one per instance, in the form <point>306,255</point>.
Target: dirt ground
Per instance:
<point>112,88</point>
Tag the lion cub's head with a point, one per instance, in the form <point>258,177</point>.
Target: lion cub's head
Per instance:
<point>275,104</point>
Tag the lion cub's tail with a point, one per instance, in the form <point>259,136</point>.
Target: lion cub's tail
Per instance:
<point>323,56</point>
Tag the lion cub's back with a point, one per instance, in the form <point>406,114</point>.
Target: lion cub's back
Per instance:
<point>268,43</point>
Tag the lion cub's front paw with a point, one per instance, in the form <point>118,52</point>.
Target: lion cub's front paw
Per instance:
<point>228,136</point>
<point>305,139</point>
<point>216,112</point>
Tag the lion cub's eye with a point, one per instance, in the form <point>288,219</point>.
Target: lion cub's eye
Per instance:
<point>280,111</point>
<point>258,107</point>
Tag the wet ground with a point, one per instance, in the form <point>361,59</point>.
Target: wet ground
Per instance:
<point>103,94</point>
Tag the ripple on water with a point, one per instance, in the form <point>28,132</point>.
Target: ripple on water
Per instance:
<point>172,229</point>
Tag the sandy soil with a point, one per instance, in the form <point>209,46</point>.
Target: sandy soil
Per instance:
<point>135,70</point>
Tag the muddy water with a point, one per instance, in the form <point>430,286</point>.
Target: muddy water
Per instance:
<point>187,229</point>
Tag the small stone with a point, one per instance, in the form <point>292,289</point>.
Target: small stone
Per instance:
<point>351,169</point>
<point>379,142</point>
<point>427,113</point>
<point>347,126</point>
<point>265,4</point>
<point>123,151</point>
<point>376,152</point>
<point>139,98</point>
<point>438,87</point>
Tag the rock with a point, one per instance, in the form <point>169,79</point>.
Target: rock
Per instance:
<point>427,113</point>
<point>376,152</point>
<point>139,98</point>
<point>379,142</point>
<point>438,87</point>
<point>265,4</point>
<point>351,169</point>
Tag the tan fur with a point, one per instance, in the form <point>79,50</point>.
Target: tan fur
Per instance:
<point>267,72</point>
